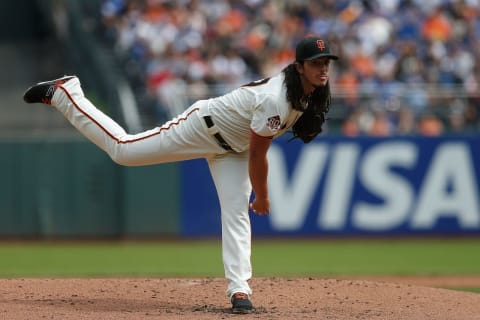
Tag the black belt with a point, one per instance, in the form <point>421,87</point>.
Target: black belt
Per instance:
<point>221,142</point>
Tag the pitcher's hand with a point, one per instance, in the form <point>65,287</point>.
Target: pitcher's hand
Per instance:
<point>260,206</point>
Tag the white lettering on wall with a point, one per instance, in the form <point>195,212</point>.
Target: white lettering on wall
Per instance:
<point>337,192</point>
<point>291,198</point>
<point>394,191</point>
<point>449,189</point>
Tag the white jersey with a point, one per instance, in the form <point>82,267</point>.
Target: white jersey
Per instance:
<point>260,106</point>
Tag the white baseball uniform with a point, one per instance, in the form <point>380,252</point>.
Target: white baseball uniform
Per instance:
<point>218,130</point>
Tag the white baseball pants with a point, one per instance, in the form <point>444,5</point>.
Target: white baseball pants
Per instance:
<point>185,137</point>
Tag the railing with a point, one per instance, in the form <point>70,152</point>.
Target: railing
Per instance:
<point>440,100</point>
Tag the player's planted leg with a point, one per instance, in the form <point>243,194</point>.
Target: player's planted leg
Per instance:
<point>230,175</point>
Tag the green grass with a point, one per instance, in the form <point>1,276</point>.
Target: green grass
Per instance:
<point>269,258</point>
<point>110,259</point>
<point>474,290</point>
<point>371,257</point>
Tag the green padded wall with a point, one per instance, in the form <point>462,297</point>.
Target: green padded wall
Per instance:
<point>151,206</point>
<point>72,189</point>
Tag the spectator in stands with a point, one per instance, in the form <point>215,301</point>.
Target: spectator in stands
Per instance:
<point>430,125</point>
<point>381,125</point>
<point>405,121</point>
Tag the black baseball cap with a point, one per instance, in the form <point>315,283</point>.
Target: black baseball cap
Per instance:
<point>313,47</point>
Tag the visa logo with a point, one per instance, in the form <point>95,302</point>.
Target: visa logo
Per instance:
<point>380,187</point>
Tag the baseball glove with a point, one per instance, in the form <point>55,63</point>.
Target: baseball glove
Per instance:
<point>309,125</point>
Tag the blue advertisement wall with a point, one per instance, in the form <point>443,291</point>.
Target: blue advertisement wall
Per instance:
<point>363,186</point>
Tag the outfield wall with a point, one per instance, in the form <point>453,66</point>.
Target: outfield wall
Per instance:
<point>58,189</point>
<point>333,186</point>
<point>365,186</point>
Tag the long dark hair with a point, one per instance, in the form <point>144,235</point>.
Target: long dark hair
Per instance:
<point>320,98</point>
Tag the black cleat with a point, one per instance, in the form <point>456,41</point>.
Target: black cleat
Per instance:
<point>43,92</point>
<point>241,303</point>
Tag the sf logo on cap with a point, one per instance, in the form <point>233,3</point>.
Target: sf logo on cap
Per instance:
<point>320,45</point>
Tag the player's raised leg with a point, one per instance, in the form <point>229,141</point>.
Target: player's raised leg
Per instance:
<point>182,138</point>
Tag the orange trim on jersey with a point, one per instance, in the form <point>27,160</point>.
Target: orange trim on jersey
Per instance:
<point>253,132</point>
<point>160,129</point>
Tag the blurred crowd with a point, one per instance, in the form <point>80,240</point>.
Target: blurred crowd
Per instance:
<point>406,66</point>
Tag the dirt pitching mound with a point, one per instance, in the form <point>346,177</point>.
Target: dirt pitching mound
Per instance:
<point>274,298</point>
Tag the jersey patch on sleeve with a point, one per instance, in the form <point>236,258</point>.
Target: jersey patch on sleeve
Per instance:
<point>274,122</point>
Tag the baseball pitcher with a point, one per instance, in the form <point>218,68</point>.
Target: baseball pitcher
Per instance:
<point>232,132</point>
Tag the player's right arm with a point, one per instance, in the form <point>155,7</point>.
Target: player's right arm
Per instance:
<point>258,170</point>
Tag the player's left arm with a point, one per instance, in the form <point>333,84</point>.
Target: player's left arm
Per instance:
<point>258,170</point>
